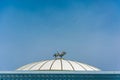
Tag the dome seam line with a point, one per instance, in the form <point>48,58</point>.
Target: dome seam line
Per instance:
<point>42,65</point>
<point>70,64</point>
<point>61,64</point>
<point>81,66</point>
<point>21,68</point>
<point>38,63</point>
<point>91,67</point>
<point>33,66</point>
<point>52,64</point>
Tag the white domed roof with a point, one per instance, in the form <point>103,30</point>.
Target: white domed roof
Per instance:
<point>58,64</point>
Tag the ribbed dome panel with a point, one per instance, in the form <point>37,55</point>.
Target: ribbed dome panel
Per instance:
<point>58,64</point>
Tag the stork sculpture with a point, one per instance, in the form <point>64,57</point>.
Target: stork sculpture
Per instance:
<point>59,55</point>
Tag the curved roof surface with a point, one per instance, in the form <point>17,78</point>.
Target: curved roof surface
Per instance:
<point>58,64</point>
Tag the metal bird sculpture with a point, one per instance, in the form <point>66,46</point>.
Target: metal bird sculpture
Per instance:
<point>56,55</point>
<point>62,54</point>
<point>59,55</point>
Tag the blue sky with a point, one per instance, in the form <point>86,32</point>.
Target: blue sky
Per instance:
<point>33,30</point>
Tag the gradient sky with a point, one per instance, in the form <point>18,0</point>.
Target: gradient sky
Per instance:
<point>33,30</point>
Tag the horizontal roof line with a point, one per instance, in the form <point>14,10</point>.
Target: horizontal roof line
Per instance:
<point>59,72</point>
